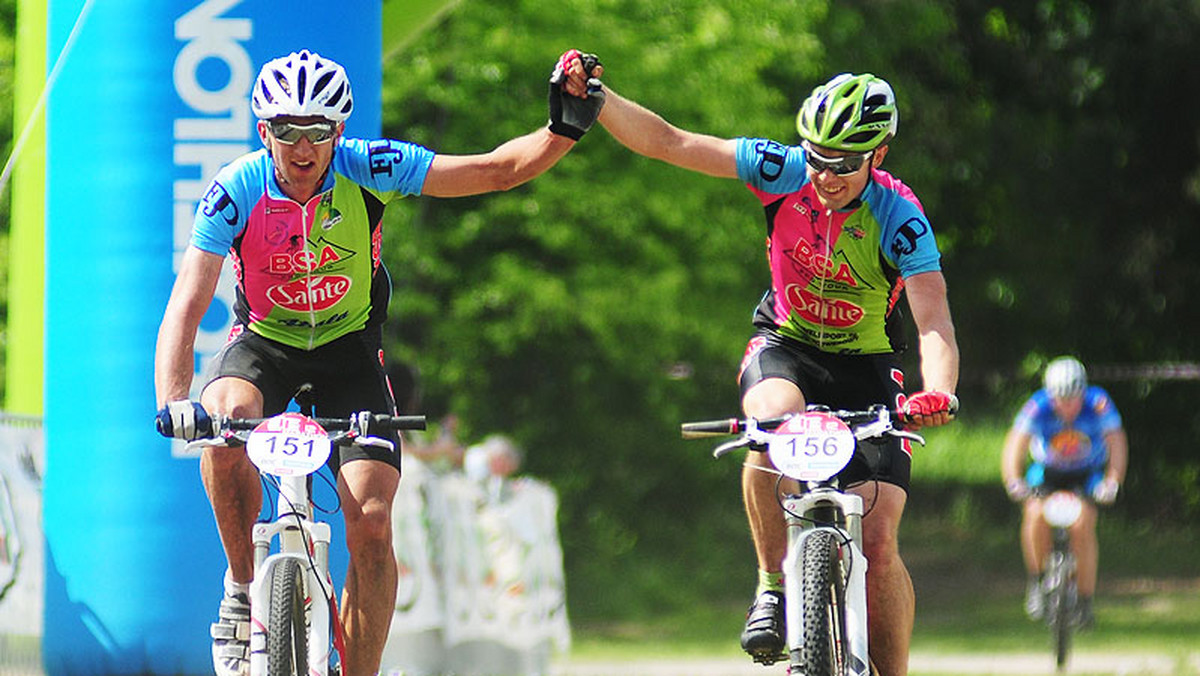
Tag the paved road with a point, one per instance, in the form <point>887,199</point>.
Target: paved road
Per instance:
<point>963,665</point>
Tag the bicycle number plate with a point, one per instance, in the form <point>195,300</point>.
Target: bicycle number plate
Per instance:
<point>812,446</point>
<point>1062,509</point>
<point>288,444</point>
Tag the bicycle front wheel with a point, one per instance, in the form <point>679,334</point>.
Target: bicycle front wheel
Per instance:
<point>287,638</point>
<point>1063,621</point>
<point>825,646</point>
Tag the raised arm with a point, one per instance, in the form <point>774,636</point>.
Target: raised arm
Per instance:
<point>509,165</point>
<point>646,133</point>
<point>572,113</point>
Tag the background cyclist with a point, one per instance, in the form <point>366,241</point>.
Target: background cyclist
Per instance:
<point>845,240</point>
<point>1074,438</point>
<point>301,220</point>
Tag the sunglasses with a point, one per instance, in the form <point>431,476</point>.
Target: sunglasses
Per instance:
<point>289,132</point>
<point>841,166</point>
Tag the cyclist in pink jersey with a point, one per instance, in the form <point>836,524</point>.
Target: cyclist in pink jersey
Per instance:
<point>846,241</point>
<point>301,220</point>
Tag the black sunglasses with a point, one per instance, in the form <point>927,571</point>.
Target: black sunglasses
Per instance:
<point>290,132</point>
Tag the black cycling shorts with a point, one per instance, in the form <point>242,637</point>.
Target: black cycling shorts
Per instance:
<point>838,381</point>
<point>1045,480</point>
<point>347,376</point>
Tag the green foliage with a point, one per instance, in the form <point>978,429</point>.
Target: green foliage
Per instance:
<point>8,22</point>
<point>590,312</point>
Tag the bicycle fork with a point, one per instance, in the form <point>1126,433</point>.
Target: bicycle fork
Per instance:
<point>296,530</point>
<point>826,509</point>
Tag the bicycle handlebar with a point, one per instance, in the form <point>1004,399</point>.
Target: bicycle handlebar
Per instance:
<point>728,426</point>
<point>375,421</point>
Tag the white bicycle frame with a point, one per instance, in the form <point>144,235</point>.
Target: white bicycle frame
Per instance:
<point>302,539</point>
<point>307,542</point>
<point>849,509</point>
<point>813,453</point>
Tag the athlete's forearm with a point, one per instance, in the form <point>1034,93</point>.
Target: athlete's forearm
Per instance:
<point>939,359</point>
<point>1118,454</point>
<point>647,133</point>
<point>174,356</point>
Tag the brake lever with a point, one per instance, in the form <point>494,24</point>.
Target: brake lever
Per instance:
<point>375,441</point>
<point>227,439</point>
<point>740,442</point>
<point>911,436</point>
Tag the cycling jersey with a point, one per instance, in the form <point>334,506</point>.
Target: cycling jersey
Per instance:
<point>1066,447</point>
<point>836,276</point>
<point>309,273</point>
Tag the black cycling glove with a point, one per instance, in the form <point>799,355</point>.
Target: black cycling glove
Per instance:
<point>570,115</point>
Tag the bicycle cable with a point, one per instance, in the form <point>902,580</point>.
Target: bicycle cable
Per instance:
<point>337,499</point>
<point>841,533</point>
<point>273,482</point>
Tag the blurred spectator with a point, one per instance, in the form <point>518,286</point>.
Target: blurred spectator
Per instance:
<point>500,592</point>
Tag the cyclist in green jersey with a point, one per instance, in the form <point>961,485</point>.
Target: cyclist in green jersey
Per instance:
<point>846,240</point>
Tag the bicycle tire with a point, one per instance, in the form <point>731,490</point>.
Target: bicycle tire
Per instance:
<point>1061,607</point>
<point>287,637</point>
<point>824,652</point>
<point>1064,623</point>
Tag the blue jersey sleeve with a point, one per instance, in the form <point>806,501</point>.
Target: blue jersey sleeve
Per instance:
<point>907,239</point>
<point>386,167</point>
<point>1098,400</point>
<point>770,166</point>
<point>1026,419</point>
<point>225,208</point>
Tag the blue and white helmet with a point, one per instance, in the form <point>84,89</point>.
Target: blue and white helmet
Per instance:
<point>302,84</point>
<point>1065,377</point>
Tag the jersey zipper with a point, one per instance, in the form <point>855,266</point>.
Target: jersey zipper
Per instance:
<point>308,276</point>
<point>821,308</point>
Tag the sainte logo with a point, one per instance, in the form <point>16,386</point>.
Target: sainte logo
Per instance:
<point>826,311</point>
<point>310,293</point>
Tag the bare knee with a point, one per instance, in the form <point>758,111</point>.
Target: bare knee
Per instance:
<point>369,528</point>
<point>882,550</point>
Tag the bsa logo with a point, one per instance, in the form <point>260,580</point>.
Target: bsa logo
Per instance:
<point>826,311</point>
<point>310,293</point>
<point>821,265</point>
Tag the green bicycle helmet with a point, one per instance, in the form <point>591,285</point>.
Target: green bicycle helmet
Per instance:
<point>854,113</point>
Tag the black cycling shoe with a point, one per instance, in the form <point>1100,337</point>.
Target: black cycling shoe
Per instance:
<point>763,637</point>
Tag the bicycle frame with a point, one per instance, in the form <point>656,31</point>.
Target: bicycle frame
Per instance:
<point>306,541</point>
<point>303,540</point>
<point>1060,511</point>
<point>825,508</point>
<point>813,448</point>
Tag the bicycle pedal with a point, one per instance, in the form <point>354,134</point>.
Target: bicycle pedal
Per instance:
<point>767,658</point>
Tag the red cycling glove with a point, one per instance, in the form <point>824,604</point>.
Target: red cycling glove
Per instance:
<point>931,403</point>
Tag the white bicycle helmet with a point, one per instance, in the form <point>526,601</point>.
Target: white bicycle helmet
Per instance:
<point>1065,377</point>
<point>302,84</point>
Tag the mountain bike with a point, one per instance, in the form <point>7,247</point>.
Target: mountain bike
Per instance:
<point>290,634</point>
<point>1061,509</point>
<point>824,570</point>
